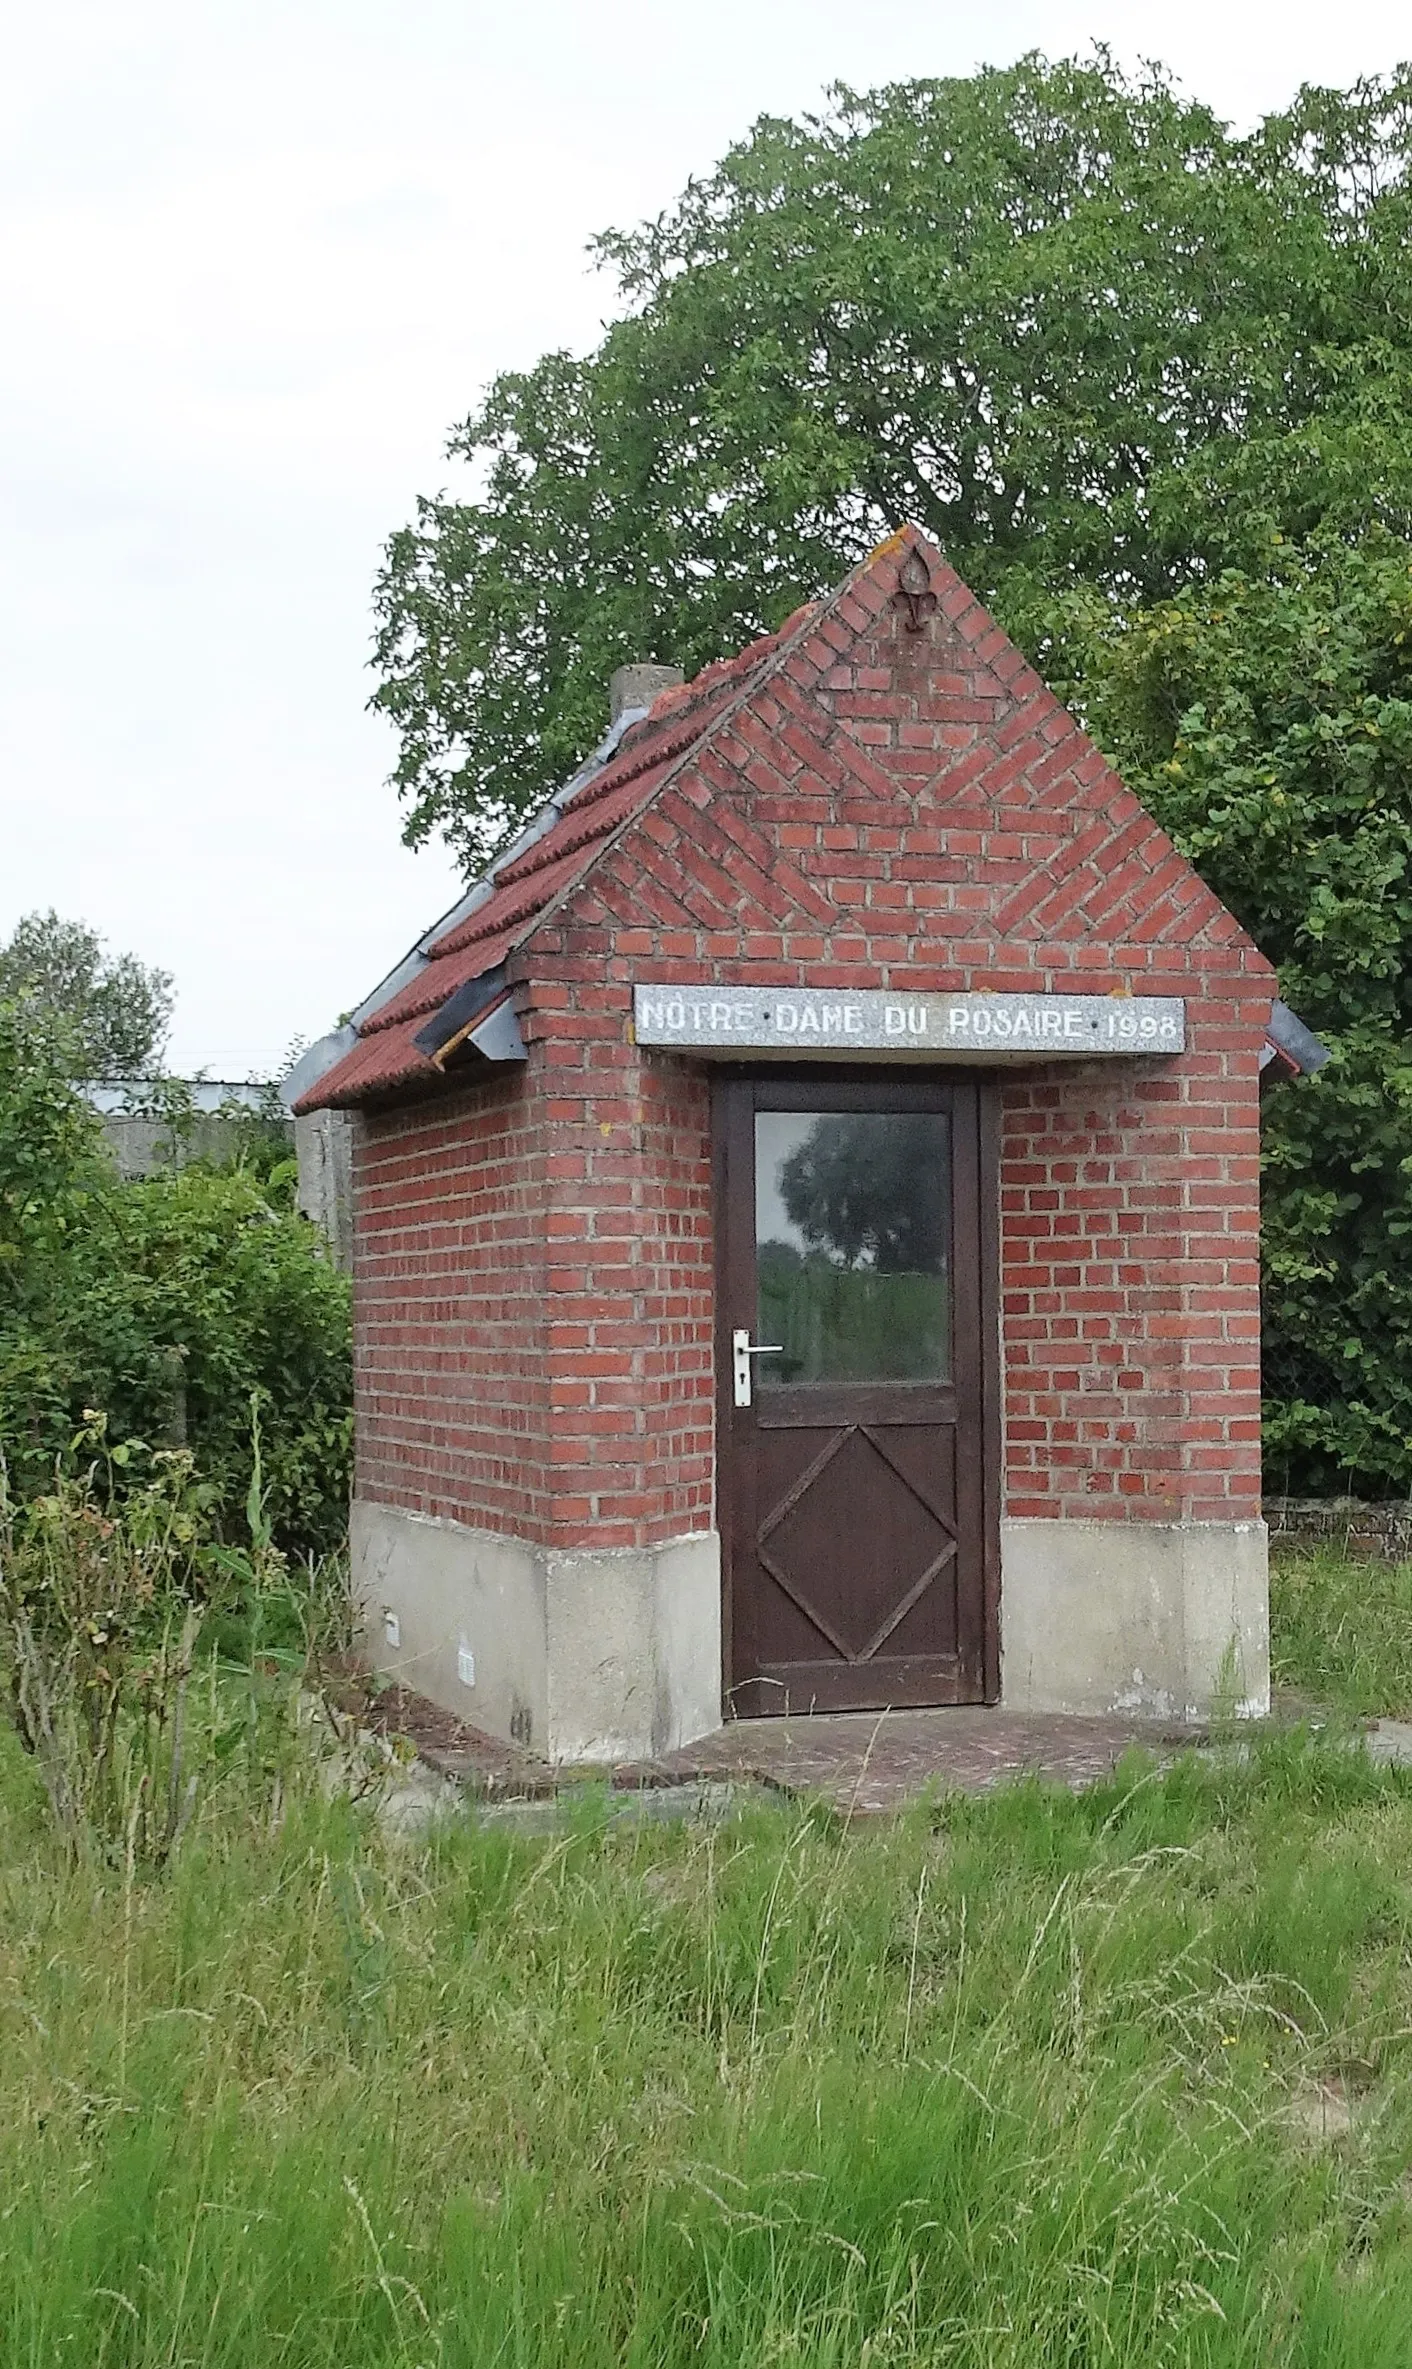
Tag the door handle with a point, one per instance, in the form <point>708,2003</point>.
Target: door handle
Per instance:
<point>742,1350</point>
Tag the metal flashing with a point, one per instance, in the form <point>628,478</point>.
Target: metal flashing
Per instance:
<point>315,1062</point>
<point>498,1036</point>
<point>452,1018</point>
<point>1288,1041</point>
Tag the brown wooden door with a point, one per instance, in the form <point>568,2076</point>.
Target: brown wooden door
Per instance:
<point>854,1296</point>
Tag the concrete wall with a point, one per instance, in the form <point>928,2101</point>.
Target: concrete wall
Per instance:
<point>577,1655</point>
<point>1167,1620</point>
<point>141,1147</point>
<point>323,1149</point>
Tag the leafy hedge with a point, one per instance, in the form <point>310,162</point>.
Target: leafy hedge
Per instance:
<point>174,1304</point>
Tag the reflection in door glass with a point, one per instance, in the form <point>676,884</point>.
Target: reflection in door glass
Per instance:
<point>852,1245</point>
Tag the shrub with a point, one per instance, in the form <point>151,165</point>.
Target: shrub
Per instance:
<point>214,1295</point>
<point>172,1304</point>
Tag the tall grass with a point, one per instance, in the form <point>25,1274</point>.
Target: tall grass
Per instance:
<point>1341,1630</point>
<point>1021,2081</point>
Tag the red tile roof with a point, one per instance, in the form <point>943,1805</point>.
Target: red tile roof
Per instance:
<point>385,1058</point>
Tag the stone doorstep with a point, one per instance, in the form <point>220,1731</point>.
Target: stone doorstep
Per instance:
<point>485,1767</point>
<point>868,1764</point>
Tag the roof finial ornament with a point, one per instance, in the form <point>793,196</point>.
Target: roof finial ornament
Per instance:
<point>914,591</point>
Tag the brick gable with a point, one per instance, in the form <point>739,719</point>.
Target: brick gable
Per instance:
<point>921,801</point>
<point>918,811</point>
<point>843,769</point>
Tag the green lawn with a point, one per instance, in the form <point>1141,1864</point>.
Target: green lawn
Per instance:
<point>1066,2084</point>
<point>1342,1631</point>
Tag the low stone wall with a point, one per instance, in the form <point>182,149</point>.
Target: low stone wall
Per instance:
<point>1346,1522</point>
<point>571,1653</point>
<point>1137,1620</point>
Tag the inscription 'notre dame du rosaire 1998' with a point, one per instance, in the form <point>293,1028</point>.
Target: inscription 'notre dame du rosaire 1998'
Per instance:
<point>807,1020</point>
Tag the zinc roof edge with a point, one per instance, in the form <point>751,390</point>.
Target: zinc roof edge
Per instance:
<point>481,889</point>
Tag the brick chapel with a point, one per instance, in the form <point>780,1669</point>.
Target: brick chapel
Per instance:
<point>806,1215</point>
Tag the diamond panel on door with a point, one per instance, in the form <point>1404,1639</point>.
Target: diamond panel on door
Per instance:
<point>907,1555</point>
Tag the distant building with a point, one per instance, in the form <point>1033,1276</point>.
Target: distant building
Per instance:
<point>119,1097</point>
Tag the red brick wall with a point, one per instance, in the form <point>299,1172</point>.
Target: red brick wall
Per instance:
<point>533,1299</point>
<point>450,1322</point>
<point>534,1329</point>
<point>1130,1278</point>
<point>890,810</point>
<point>630,1279</point>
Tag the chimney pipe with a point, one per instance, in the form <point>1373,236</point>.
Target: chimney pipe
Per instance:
<point>638,686</point>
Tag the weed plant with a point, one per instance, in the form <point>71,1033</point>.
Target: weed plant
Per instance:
<point>1032,2082</point>
<point>111,1586</point>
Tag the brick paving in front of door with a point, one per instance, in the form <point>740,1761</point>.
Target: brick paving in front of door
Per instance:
<point>863,1763</point>
<point>867,1763</point>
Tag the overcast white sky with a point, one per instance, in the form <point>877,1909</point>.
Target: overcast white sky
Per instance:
<point>256,256</point>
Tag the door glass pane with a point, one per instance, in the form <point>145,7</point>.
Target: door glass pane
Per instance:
<point>852,1246</point>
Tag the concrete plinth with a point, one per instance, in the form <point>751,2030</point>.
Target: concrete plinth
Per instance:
<point>1151,1619</point>
<point>576,1654</point>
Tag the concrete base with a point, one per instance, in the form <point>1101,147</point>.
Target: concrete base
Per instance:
<point>575,1655</point>
<point>1153,1619</point>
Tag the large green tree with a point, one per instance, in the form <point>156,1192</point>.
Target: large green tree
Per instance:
<point>112,1011</point>
<point>1062,318</point>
